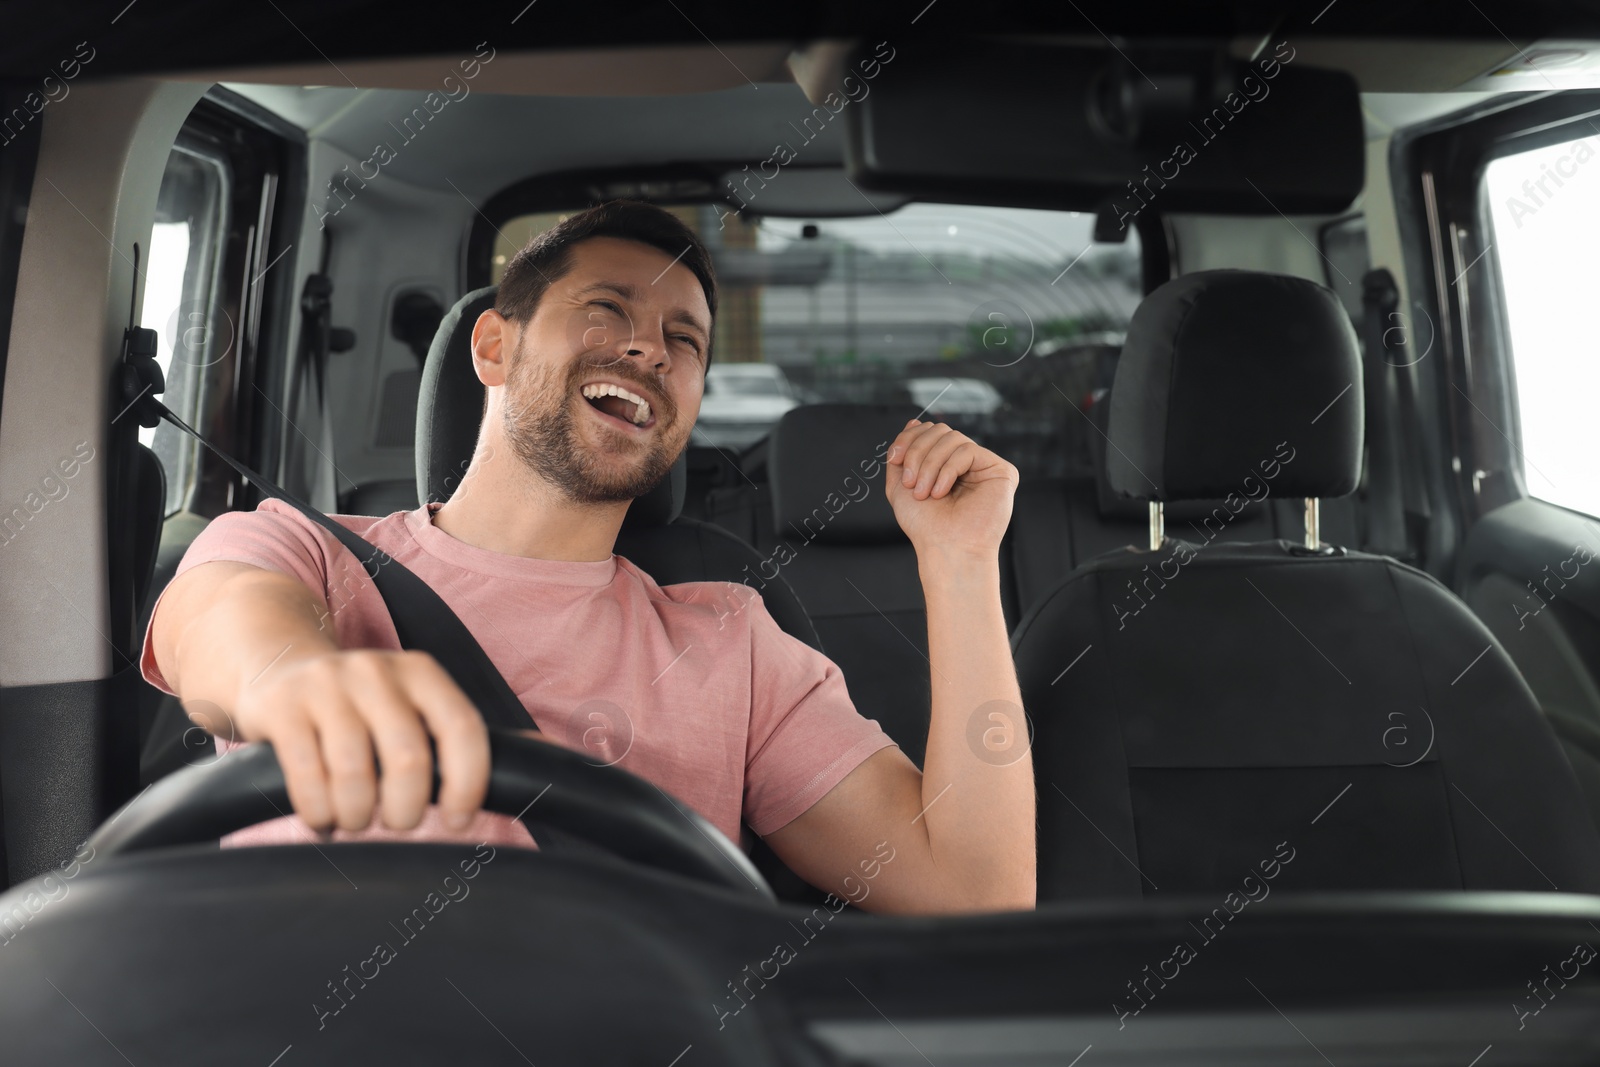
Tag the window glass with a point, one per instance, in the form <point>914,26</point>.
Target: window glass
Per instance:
<point>1545,207</point>
<point>995,320</point>
<point>180,298</point>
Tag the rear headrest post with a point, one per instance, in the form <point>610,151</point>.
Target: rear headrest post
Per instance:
<point>1158,526</point>
<point>1313,523</point>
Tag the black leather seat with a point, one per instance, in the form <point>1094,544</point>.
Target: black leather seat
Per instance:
<point>1204,710</point>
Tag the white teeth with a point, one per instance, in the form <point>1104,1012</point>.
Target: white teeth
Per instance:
<point>641,414</point>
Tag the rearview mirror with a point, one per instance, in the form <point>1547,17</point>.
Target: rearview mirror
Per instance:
<point>1168,129</point>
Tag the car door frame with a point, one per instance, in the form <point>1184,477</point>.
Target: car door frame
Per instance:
<point>1505,540</point>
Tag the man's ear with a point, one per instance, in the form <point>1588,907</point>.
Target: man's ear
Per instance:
<point>494,338</point>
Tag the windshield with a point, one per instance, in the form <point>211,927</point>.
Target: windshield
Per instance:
<point>995,320</point>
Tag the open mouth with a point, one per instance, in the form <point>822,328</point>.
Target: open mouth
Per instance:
<point>619,404</point>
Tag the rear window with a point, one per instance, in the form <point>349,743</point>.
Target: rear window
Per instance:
<point>998,321</point>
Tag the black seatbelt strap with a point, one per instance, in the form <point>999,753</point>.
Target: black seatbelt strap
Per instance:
<point>307,392</point>
<point>1396,363</point>
<point>1385,533</point>
<point>421,618</point>
<point>1415,458</point>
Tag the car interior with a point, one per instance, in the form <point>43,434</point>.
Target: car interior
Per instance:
<point>1279,315</point>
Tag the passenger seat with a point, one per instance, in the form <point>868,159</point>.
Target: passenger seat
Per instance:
<point>1202,713</point>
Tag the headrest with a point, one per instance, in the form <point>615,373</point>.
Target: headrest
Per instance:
<point>450,412</point>
<point>1112,506</point>
<point>1230,375</point>
<point>825,464</point>
<point>1124,508</point>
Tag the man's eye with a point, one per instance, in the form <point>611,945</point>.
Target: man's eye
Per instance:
<point>608,305</point>
<point>690,341</point>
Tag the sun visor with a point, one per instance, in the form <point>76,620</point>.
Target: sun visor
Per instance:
<point>1156,129</point>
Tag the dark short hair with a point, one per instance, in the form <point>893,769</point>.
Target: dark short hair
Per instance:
<point>549,255</point>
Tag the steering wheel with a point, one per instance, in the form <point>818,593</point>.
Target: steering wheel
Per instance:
<point>604,805</point>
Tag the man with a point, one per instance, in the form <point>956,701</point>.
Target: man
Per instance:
<point>594,360</point>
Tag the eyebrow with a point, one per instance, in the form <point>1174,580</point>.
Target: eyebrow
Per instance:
<point>679,316</point>
<point>627,292</point>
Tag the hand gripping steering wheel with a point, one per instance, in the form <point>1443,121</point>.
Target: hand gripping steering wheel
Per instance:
<point>604,805</point>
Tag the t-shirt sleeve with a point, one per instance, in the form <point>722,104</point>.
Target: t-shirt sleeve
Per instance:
<point>805,733</point>
<point>274,537</point>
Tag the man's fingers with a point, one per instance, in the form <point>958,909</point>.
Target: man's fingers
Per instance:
<point>462,736</point>
<point>339,720</point>
<point>953,469</point>
<point>902,440</point>
<point>294,741</point>
<point>926,436</point>
<point>405,761</point>
<point>949,453</point>
<point>347,755</point>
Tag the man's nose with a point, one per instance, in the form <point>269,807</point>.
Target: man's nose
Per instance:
<point>648,346</point>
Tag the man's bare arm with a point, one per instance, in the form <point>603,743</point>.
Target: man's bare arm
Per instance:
<point>962,830</point>
<point>251,653</point>
<point>216,618</point>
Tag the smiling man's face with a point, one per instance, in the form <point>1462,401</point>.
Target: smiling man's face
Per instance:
<point>625,324</point>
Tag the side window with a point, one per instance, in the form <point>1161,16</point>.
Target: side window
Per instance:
<point>181,291</point>
<point>1545,210</point>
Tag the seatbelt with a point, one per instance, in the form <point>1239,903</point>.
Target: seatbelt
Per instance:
<point>307,400</point>
<point>422,619</point>
<point>1416,456</point>
<point>308,393</point>
<point>1380,302</point>
<point>1386,532</point>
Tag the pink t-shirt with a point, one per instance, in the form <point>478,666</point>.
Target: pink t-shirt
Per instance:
<point>691,686</point>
